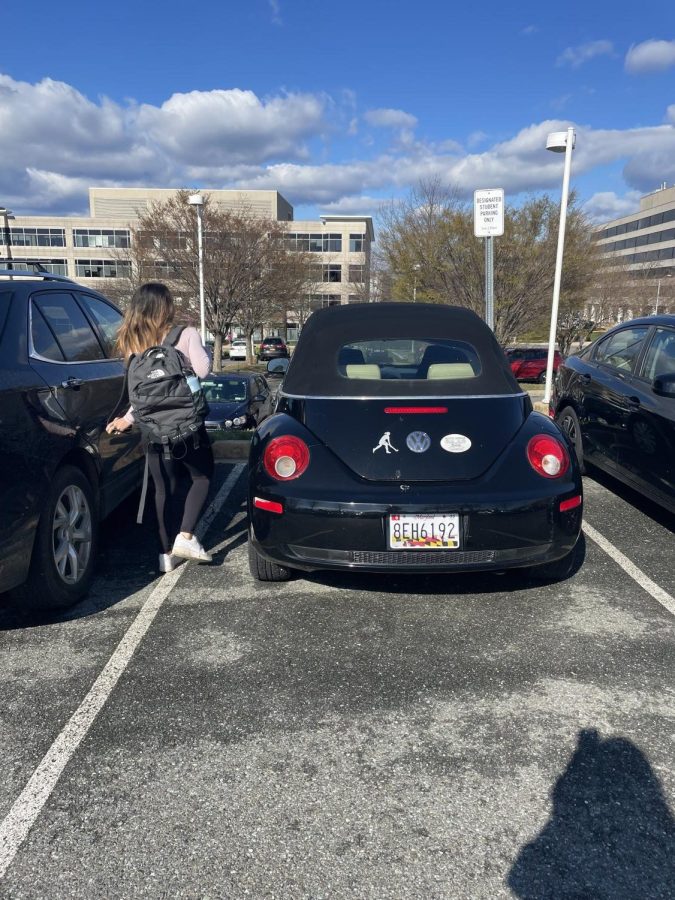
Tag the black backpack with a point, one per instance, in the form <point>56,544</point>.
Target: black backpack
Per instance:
<point>167,400</point>
<point>166,396</point>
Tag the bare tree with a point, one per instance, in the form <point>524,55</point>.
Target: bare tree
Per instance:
<point>428,239</point>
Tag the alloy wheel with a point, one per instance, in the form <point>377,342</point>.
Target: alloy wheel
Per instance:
<point>71,534</point>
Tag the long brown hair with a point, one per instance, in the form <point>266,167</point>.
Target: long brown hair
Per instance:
<point>147,319</point>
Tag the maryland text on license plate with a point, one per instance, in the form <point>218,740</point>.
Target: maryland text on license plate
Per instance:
<point>421,532</point>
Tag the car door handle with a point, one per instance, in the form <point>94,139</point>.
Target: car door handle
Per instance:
<point>634,401</point>
<point>72,382</point>
<point>586,378</point>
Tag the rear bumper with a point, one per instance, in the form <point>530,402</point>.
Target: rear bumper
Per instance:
<point>310,535</point>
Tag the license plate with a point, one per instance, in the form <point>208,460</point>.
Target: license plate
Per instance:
<point>421,532</point>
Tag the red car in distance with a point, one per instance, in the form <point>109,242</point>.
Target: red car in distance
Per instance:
<point>529,363</point>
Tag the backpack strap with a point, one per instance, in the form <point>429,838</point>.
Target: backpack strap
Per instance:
<point>173,336</point>
<point>123,392</point>
<point>144,489</point>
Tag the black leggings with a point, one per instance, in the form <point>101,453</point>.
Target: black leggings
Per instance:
<point>199,463</point>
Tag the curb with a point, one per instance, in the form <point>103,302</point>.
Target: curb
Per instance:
<point>541,407</point>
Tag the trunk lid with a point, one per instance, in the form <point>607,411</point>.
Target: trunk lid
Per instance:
<point>456,439</point>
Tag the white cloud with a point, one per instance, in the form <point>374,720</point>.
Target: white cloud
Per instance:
<point>607,205</point>
<point>232,138</point>
<point>582,53</point>
<point>389,118</point>
<point>205,127</point>
<point>650,56</point>
<point>530,29</point>
<point>275,8</point>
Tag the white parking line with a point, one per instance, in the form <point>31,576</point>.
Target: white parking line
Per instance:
<point>663,597</point>
<point>27,807</point>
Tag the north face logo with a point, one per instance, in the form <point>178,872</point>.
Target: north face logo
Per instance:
<point>157,373</point>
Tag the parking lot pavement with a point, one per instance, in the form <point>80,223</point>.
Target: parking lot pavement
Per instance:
<point>360,736</point>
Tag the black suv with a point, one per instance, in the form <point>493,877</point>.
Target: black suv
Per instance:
<point>60,472</point>
<point>273,348</point>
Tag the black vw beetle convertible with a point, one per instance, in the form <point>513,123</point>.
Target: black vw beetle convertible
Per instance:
<point>402,441</point>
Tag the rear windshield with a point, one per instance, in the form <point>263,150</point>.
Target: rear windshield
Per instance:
<point>416,359</point>
<point>225,391</point>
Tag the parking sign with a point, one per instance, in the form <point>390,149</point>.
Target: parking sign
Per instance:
<point>488,212</point>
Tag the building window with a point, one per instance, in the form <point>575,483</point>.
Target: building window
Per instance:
<point>37,237</point>
<point>356,243</point>
<point>101,237</point>
<point>314,242</point>
<point>357,274</point>
<point>54,266</point>
<point>102,268</point>
<point>318,301</point>
<point>332,272</point>
<point>354,298</point>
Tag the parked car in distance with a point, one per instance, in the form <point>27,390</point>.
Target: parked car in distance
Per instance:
<point>238,349</point>
<point>529,363</point>
<point>434,461</point>
<point>61,473</point>
<point>236,401</point>
<point>272,348</point>
<point>616,402</point>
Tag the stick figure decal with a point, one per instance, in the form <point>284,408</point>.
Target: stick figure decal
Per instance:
<point>385,441</point>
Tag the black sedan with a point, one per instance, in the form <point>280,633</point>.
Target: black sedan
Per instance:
<point>616,401</point>
<point>402,441</point>
<point>61,472</point>
<point>236,401</point>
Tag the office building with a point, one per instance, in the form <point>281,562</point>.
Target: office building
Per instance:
<point>90,249</point>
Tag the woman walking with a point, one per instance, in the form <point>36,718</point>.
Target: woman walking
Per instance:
<point>148,320</point>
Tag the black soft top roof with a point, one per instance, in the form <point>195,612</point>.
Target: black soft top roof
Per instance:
<point>314,365</point>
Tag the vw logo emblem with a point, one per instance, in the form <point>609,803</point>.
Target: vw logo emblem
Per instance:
<point>418,441</point>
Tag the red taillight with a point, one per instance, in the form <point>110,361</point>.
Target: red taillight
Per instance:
<point>410,410</point>
<point>268,505</point>
<point>547,456</point>
<point>286,457</point>
<point>572,503</point>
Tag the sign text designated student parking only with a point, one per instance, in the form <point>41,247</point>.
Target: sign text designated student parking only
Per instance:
<point>488,212</point>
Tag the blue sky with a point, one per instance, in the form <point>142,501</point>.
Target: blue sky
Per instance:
<point>341,106</point>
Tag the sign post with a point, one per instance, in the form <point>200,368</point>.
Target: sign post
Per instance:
<point>488,223</point>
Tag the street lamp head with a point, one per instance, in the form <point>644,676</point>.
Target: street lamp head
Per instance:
<point>6,213</point>
<point>196,200</point>
<point>557,141</point>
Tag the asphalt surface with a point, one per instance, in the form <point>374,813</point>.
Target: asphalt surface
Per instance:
<point>353,736</point>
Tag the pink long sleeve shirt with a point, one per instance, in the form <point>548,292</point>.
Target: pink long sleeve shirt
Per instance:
<point>190,345</point>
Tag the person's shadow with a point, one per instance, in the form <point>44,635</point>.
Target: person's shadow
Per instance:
<point>611,835</point>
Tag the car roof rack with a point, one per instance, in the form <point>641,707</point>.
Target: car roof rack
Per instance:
<point>41,274</point>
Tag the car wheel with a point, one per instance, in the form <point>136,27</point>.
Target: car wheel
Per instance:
<point>262,570</point>
<point>569,423</point>
<point>541,378</point>
<point>561,568</point>
<point>62,564</point>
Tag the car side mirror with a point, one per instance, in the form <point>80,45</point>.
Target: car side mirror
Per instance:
<point>664,385</point>
<point>278,366</point>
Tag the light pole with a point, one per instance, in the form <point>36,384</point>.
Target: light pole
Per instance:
<point>7,214</point>
<point>416,268</point>
<point>658,293</point>
<point>198,201</point>
<point>558,142</point>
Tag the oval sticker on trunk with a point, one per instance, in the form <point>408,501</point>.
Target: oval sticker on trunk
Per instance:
<point>455,443</point>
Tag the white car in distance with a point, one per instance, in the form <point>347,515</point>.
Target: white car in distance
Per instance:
<point>238,349</point>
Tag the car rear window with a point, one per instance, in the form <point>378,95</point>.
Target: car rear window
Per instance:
<point>225,391</point>
<point>411,360</point>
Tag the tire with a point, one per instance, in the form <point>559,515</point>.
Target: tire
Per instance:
<point>541,378</point>
<point>561,568</point>
<point>64,552</point>
<point>262,570</point>
<point>568,420</point>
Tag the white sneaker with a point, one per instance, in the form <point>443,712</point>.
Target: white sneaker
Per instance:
<point>166,562</point>
<point>190,549</point>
